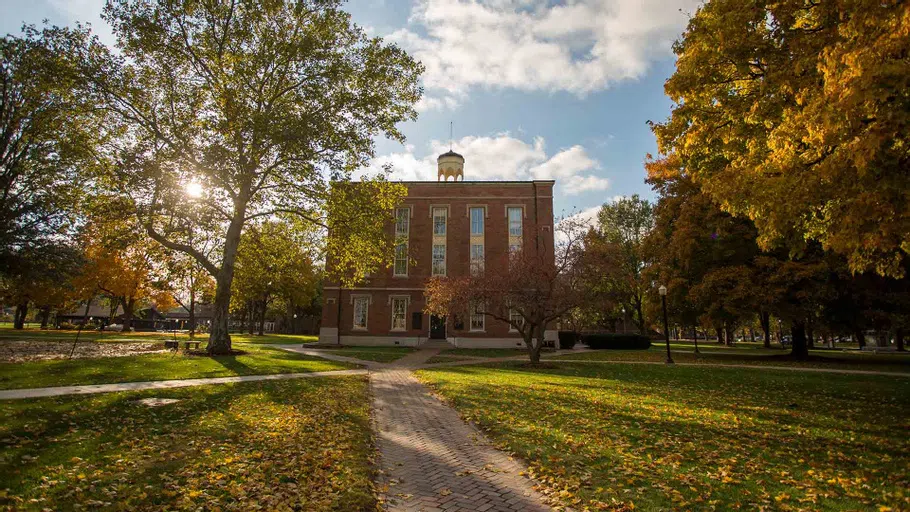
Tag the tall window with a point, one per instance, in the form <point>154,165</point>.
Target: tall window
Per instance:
<point>401,259</point>
<point>361,308</point>
<point>476,259</point>
<point>399,313</point>
<point>516,319</point>
<point>439,260</point>
<point>515,221</point>
<point>402,221</point>
<point>476,221</point>
<point>439,221</point>
<point>476,317</point>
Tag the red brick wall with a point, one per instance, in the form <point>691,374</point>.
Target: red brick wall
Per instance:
<point>537,235</point>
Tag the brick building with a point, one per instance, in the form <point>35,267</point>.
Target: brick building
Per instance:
<point>449,226</point>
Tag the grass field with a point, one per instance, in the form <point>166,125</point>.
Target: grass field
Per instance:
<point>285,445</point>
<point>33,333</point>
<point>652,437</point>
<point>378,354</point>
<point>258,360</point>
<point>829,359</point>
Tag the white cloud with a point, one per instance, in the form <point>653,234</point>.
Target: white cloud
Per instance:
<point>581,46</point>
<point>502,157</point>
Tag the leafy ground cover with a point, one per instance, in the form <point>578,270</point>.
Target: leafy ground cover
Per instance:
<point>285,445</point>
<point>378,354</point>
<point>258,360</point>
<point>695,438</point>
<point>829,359</point>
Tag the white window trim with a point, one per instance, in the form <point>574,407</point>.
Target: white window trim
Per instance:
<point>366,320</point>
<point>407,305</point>
<point>407,263</point>
<point>410,216</point>
<point>511,327</point>
<point>445,257</point>
<point>483,319</point>
<point>483,258</point>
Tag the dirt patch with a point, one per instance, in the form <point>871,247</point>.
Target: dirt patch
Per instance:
<point>20,351</point>
<point>156,402</point>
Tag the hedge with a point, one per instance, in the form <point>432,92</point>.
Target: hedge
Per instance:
<point>610,341</point>
<point>567,339</point>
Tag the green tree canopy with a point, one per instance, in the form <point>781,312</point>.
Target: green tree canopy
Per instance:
<point>251,107</point>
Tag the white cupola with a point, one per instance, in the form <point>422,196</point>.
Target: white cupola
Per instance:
<point>450,164</point>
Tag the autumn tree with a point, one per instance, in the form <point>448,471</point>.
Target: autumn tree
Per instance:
<point>616,249</point>
<point>254,109</point>
<point>122,263</point>
<point>795,115</point>
<point>528,290</point>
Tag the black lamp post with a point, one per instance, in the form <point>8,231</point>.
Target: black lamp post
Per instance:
<point>663,299</point>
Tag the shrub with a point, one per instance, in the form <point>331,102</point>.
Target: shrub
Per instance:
<point>68,326</point>
<point>567,339</point>
<point>601,341</point>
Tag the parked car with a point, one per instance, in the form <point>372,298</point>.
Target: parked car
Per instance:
<point>113,328</point>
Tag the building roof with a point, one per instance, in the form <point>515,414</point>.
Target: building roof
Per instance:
<point>449,153</point>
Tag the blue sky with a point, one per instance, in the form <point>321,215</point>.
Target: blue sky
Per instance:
<point>536,89</point>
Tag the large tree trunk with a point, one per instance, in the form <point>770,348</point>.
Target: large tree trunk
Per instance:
<point>128,306</point>
<point>810,334</point>
<point>729,332</point>
<point>262,306</point>
<point>19,316</point>
<point>641,318</point>
<point>800,348</point>
<point>860,337</point>
<point>765,319</point>
<point>534,350</point>
<point>45,316</point>
<point>192,317</point>
<point>219,335</point>
<point>899,339</point>
<point>251,321</point>
<point>720,335</point>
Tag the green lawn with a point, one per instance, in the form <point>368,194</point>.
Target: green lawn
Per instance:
<point>259,359</point>
<point>284,445</point>
<point>695,438</point>
<point>818,358</point>
<point>274,339</point>
<point>378,354</point>
<point>485,352</point>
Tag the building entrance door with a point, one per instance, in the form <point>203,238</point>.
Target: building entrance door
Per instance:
<point>437,327</point>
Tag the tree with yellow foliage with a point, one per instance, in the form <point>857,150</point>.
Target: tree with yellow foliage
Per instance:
<point>796,114</point>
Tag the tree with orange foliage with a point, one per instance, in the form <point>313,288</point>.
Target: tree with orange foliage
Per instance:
<point>795,115</point>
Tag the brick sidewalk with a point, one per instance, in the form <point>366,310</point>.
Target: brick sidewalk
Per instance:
<point>431,459</point>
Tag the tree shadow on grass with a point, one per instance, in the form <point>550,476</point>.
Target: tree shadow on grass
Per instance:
<point>41,438</point>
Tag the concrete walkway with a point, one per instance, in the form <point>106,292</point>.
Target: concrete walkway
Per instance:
<point>12,394</point>
<point>432,460</point>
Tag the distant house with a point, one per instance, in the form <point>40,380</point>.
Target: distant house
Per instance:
<point>99,315</point>
<point>179,317</point>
